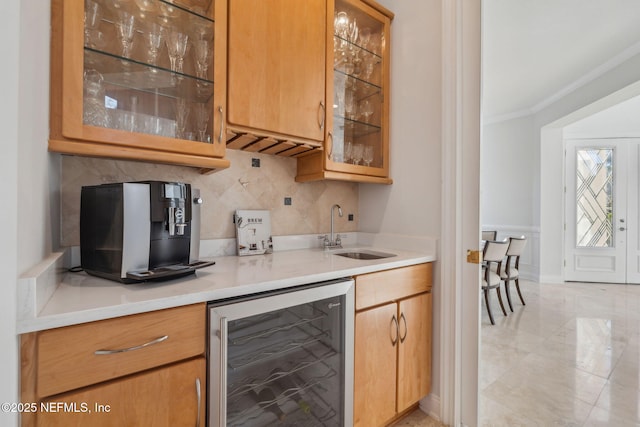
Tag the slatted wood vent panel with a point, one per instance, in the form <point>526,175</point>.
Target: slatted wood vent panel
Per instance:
<point>269,145</point>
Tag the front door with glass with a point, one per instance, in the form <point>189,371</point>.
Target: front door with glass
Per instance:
<point>601,233</point>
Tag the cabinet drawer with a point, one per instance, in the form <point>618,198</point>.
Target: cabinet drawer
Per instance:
<point>391,285</point>
<point>67,359</point>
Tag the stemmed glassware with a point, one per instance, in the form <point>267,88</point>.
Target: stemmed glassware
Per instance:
<point>202,50</point>
<point>92,17</point>
<point>202,121</point>
<point>348,151</point>
<point>177,47</point>
<point>358,151</point>
<point>154,37</point>
<point>366,109</point>
<point>182,115</point>
<point>367,155</point>
<point>126,31</point>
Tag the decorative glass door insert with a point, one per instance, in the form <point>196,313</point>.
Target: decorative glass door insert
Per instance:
<point>594,197</point>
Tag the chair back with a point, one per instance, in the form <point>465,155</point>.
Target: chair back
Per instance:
<point>489,234</point>
<point>516,246</point>
<point>495,251</point>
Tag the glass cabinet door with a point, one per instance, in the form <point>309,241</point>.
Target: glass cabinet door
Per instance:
<point>148,67</point>
<point>139,75</point>
<point>360,73</point>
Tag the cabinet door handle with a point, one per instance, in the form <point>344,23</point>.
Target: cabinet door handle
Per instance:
<point>221,125</point>
<point>394,341</point>
<point>199,397</point>
<point>322,110</point>
<point>404,320</point>
<point>137,347</point>
<point>330,150</point>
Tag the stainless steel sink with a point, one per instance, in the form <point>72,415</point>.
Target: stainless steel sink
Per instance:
<point>364,254</point>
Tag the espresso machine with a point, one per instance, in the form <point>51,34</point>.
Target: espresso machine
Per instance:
<point>140,231</point>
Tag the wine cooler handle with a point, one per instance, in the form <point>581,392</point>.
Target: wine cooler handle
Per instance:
<point>394,341</point>
<point>137,347</point>
<point>330,150</point>
<point>221,124</point>
<point>223,370</point>
<point>404,320</point>
<point>199,397</point>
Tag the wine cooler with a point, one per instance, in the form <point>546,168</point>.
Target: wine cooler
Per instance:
<point>283,358</point>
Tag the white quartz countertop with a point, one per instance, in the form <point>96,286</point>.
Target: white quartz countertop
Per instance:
<point>81,298</point>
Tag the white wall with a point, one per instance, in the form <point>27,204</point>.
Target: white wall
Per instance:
<point>509,162</point>
<point>411,206</point>
<point>29,172</point>
<point>9,214</point>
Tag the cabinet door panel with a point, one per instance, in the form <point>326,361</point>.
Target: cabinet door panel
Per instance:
<point>276,63</point>
<point>375,366</point>
<point>161,397</point>
<point>414,351</point>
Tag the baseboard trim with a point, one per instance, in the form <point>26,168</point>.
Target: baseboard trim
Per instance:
<point>430,405</point>
<point>551,279</point>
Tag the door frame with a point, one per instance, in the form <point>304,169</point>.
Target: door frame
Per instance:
<point>461,97</point>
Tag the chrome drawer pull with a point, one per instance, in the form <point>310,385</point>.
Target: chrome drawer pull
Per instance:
<point>395,340</point>
<point>199,397</point>
<point>138,347</point>
<point>404,319</point>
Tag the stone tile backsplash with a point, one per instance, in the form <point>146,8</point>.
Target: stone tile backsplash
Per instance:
<point>239,187</point>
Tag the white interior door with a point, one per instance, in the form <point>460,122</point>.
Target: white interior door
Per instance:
<point>601,203</point>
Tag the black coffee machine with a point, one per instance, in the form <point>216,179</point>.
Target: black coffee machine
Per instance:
<point>138,231</point>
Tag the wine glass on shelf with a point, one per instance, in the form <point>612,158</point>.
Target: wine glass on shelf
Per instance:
<point>358,151</point>
<point>92,16</point>
<point>350,104</point>
<point>366,109</point>
<point>182,114</point>
<point>126,30</point>
<point>202,121</point>
<point>365,37</point>
<point>348,151</point>
<point>202,49</point>
<point>367,155</point>
<point>154,37</point>
<point>177,47</point>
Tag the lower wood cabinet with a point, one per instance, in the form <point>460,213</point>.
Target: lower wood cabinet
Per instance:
<point>146,369</point>
<point>170,396</point>
<point>392,343</point>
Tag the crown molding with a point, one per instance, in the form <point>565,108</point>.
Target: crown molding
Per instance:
<point>587,78</point>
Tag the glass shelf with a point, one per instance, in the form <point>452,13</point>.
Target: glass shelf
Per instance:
<point>354,128</point>
<point>131,74</point>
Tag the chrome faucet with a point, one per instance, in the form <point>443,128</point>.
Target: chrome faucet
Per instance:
<point>337,243</point>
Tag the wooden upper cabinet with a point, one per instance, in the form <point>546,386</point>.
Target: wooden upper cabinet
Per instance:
<point>139,80</point>
<point>357,135</point>
<point>276,63</point>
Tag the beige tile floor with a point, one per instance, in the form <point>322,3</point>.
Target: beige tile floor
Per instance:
<point>570,357</point>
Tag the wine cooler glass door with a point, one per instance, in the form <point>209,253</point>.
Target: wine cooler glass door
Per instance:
<point>284,359</point>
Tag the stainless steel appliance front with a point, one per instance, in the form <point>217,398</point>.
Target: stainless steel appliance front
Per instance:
<point>285,358</point>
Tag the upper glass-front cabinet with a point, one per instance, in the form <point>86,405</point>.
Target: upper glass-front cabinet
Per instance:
<point>140,79</point>
<point>357,139</point>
